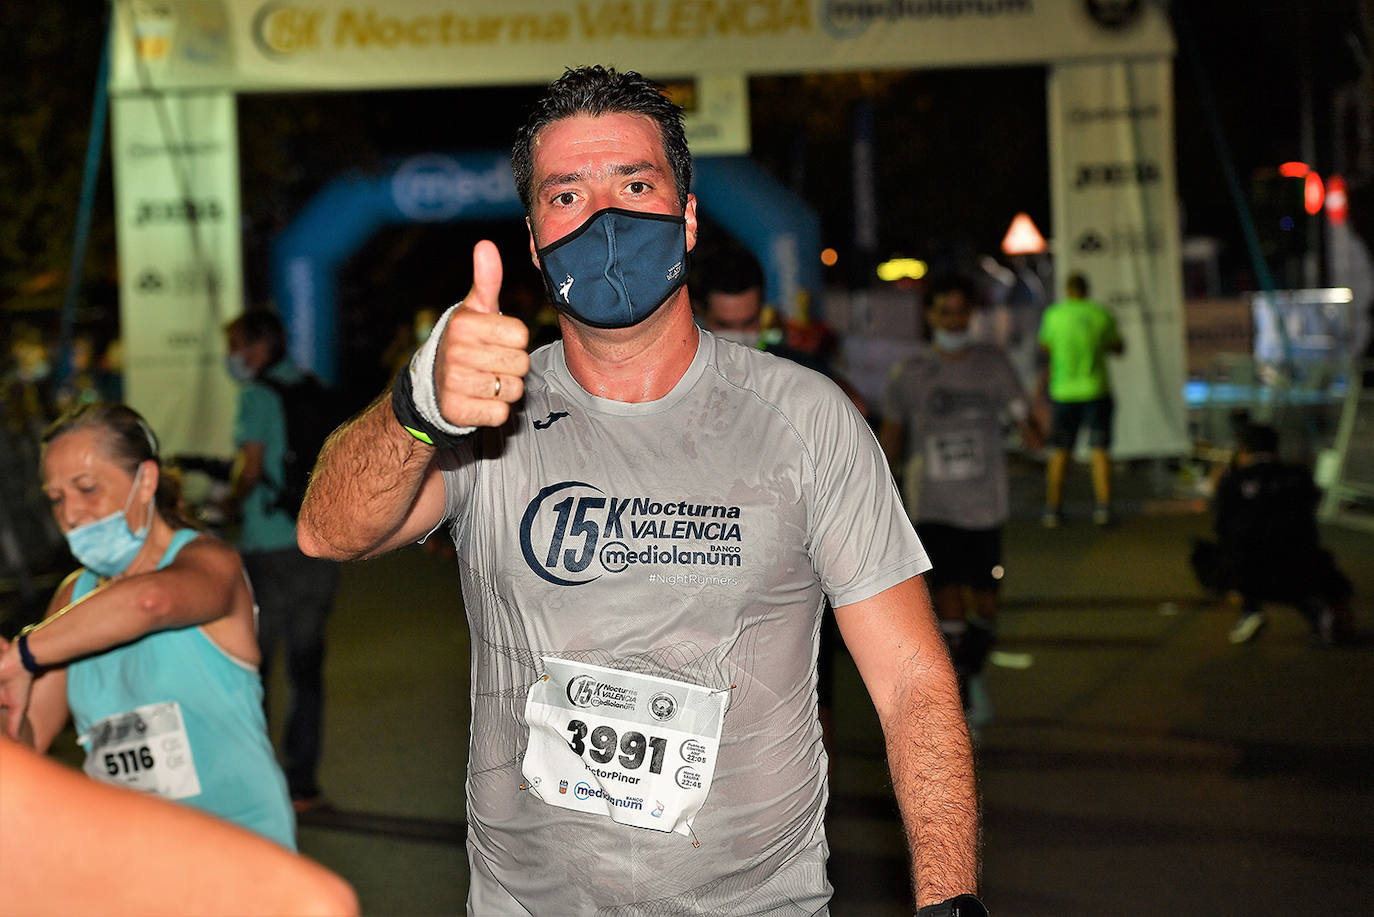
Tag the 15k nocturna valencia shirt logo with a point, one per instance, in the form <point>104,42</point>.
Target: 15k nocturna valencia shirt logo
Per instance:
<point>573,533</point>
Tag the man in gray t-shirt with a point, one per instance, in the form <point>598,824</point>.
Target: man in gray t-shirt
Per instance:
<point>945,415</point>
<point>647,522</point>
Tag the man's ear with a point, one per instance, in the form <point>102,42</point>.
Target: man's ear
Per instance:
<point>689,213</point>
<point>534,247</point>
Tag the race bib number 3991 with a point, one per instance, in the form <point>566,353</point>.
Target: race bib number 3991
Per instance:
<point>636,748</point>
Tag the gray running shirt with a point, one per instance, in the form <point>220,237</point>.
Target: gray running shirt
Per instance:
<point>953,410</point>
<point>694,538</point>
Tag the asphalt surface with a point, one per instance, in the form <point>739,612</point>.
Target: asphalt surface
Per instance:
<point>1137,763</point>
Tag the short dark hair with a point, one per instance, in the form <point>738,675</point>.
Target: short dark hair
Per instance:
<point>261,325</point>
<point>598,91</point>
<point>728,269</point>
<point>1259,439</point>
<point>951,283</point>
<point>1077,286</point>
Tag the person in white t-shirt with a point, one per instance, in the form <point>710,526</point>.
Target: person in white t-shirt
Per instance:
<point>946,413</point>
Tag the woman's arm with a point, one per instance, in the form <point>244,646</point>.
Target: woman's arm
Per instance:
<point>70,845</point>
<point>196,588</point>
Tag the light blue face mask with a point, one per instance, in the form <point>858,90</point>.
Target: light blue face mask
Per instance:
<point>106,546</point>
<point>238,368</point>
<point>951,341</point>
<point>617,268</point>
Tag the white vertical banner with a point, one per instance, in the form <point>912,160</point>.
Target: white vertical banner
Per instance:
<point>1116,221</point>
<point>180,261</point>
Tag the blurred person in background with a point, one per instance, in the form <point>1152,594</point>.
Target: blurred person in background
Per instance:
<point>150,646</point>
<point>1268,546</point>
<point>295,592</point>
<point>28,386</point>
<point>728,302</point>
<point>944,422</point>
<point>1078,335</point>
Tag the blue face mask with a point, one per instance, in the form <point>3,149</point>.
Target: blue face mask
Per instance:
<point>617,268</point>
<point>106,546</point>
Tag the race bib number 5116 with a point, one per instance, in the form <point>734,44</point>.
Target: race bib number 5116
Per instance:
<point>636,748</point>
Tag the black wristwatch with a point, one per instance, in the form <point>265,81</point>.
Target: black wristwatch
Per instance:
<point>958,906</point>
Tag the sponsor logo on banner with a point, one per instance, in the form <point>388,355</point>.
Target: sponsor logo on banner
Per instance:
<point>1082,117</point>
<point>433,187</point>
<point>284,29</point>
<point>1115,174</point>
<point>1131,240</point>
<point>1113,14</point>
<point>573,533</point>
<point>141,150</point>
<point>177,210</point>
<point>848,18</point>
<point>184,280</point>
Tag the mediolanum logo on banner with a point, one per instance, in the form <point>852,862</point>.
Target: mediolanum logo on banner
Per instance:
<point>433,187</point>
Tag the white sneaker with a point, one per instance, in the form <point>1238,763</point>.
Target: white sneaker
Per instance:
<point>1245,629</point>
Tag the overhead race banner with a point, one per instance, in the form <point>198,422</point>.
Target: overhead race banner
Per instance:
<point>270,45</point>
<point>1116,221</point>
<point>180,262</point>
<point>191,56</point>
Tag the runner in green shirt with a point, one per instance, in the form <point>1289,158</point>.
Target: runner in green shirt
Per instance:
<point>1079,334</point>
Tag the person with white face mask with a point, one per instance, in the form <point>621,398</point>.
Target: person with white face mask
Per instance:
<point>150,646</point>
<point>944,421</point>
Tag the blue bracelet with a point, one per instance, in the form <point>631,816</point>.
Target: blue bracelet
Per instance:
<point>26,658</point>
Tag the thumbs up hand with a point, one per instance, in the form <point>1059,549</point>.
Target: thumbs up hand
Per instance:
<point>481,362</point>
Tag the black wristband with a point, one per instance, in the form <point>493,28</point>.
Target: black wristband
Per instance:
<point>403,406</point>
<point>958,906</point>
<point>26,658</point>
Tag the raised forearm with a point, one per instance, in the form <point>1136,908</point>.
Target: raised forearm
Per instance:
<point>932,773</point>
<point>363,487</point>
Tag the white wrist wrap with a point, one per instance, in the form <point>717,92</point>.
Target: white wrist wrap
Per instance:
<point>422,379</point>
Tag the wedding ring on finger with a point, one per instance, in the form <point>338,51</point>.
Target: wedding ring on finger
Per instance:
<point>496,392</point>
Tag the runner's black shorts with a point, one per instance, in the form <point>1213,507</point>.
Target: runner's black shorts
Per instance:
<point>962,557</point>
<point>1067,416</point>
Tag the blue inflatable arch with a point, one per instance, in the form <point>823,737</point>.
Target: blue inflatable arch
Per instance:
<point>773,223</point>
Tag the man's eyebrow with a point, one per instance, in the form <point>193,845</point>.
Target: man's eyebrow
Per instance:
<point>565,178</point>
<point>619,168</point>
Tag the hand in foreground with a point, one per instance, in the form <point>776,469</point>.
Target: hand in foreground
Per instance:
<point>15,684</point>
<point>481,362</point>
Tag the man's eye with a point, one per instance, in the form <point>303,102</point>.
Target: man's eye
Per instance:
<point>565,199</point>
<point>638,187</point>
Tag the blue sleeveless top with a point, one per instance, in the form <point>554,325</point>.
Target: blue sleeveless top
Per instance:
<point>173,714</point>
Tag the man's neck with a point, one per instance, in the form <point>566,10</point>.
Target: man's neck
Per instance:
<point>636,364</point>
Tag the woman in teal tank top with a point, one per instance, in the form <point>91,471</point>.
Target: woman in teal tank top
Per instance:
<point>151,647</point>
